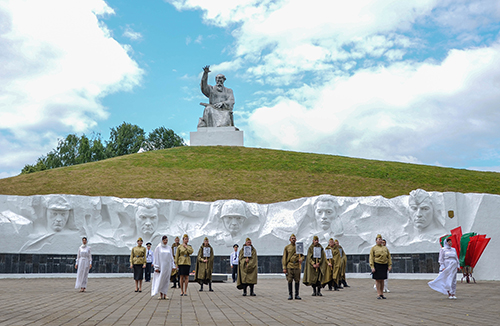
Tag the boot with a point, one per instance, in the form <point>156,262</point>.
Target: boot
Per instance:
<point>314,290</point>
<point>318,293</point>
<point>345,283</point>
<point>335,287</point>
<point>245,291</point>
<point>251,291</point>
<point>297,291</point>
<point>290,293</point>
<point>210,286</point>
<point>174,286</point>
<point>330,285</point>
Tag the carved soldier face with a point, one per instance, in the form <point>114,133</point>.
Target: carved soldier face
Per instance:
<point>421,213</point>
<point>57,219</point>
<point>233,223</point>
<point>146,220</point>
<point>324,212</point>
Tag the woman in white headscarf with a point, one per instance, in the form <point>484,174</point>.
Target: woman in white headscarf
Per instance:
<point>163,266</point>
<point>446,282</point>
<point>83,265</point>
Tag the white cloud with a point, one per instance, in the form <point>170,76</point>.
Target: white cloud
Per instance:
<point>404,112</point>
<point>58,61</point>
<point>131,34</point>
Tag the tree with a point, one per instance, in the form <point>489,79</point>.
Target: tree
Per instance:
<point>124,139</point>
<point>161,138</point>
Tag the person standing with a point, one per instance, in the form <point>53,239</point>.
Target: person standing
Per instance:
<point>315,268</point>
<point>332,272</point>
<point>204,266</point>
<point>446,281</point>
<point>292,264</point>
<point>149,262</point>
<point>343,265</point>
<point>247,269</point>
<point>183,263</point>
<point>233,261</point>
<point>174,278</point>
<point>163,263</point>
<point>381,263</point>
<point>83,265</point>
<point>138,263</point>
<point>386,281</point>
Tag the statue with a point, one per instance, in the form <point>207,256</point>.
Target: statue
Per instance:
<point>427,220</point>
<point>219,111</point>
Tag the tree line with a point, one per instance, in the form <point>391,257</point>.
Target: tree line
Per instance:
<point>124,139</point>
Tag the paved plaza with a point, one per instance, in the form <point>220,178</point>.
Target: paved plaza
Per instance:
<point>112,301</point>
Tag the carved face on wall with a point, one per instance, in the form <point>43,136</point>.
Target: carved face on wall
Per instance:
<point>421,213</point>
<point>233,215</point>
<point>57,219</point>
<point>324,212</point>
<point>146,220</point>
<point>233,223</point>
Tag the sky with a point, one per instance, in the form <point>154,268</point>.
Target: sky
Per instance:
<point>407,81</point>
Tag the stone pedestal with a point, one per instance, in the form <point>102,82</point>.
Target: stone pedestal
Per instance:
<point>213,136</point>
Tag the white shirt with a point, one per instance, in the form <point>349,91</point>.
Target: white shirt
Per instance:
<point>234,258</point>
<point>149,256</point>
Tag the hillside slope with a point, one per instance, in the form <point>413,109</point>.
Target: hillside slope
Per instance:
<point>249,174</point>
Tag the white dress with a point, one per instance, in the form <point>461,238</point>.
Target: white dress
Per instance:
<point>446,282</point>
<point>83,261</point>
<point>163,261</point>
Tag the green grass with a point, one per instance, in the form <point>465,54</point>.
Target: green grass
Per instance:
<point>250,174</point>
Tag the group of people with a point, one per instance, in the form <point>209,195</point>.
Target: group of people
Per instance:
<point>173,264</point>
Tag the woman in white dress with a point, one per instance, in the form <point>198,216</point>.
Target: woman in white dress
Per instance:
<point>83,265</point>
<point>163,266</point>
<point>446,282</point>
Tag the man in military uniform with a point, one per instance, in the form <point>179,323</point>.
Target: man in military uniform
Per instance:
<point>204,266</point>
<point>247,269</point>
<point>343,265</point>
<point>333,270</point>
<point>292,267</point>
<point>315,268</point>
<point>174,278</point>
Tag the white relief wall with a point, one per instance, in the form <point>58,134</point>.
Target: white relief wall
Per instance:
<point>54,224</point>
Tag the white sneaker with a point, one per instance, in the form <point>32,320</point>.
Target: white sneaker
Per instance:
<point>453,297</point>
<point>374,286</point>
<point>450,297</point>
<point>387,291</point>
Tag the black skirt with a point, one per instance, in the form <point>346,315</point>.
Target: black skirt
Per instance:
<point>380,271</point>
<point>138,272</point>
<point>184,269</point>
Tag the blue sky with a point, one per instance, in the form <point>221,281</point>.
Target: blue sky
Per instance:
<point>409,81</point>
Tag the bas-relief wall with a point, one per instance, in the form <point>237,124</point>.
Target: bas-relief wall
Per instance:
<point>54,224</point>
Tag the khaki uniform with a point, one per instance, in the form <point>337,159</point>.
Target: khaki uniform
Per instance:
<point>290,262</point>
<point>182,255</point>
<point>173,276</point>
<point>380,254</point>
<point>138,256</point>
<point>203,274</point>
<point>313,276</point>
<point>333,272</point>
<point>343,265</point>
<point>247,272</point>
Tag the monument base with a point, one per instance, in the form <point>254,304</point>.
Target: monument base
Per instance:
<point>213,136</point>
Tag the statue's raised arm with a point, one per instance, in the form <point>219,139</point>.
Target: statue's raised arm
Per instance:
<point>219,111</point>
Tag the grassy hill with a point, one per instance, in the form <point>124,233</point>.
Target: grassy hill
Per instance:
<point>250,174</point>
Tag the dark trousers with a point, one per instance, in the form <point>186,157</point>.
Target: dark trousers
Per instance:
<point>147,272</point>
<point>235,272</point>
